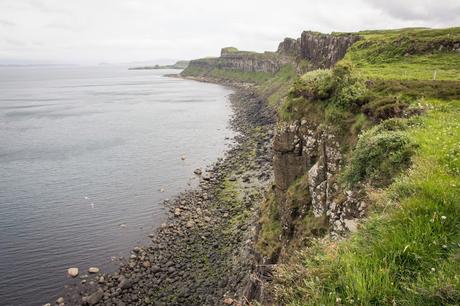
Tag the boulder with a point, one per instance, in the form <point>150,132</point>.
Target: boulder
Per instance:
<point>93,270</point>
<point>72,272</point>
<point>94,298</point>
<point>125,283</point>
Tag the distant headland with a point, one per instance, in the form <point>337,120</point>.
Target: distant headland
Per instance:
<point>177,65</point>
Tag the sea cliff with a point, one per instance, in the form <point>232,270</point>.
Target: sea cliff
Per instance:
<point>343,188</point>
<point>347,141</point>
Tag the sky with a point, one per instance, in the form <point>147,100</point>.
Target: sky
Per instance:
<point>123,31</point>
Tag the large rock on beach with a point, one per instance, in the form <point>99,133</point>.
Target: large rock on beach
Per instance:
<point>72,272</point>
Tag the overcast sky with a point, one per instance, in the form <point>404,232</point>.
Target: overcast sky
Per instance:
<point>94,31</point>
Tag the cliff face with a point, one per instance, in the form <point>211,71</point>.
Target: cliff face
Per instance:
<point>204,63</point>
<point>249,61</point>
<point>289,47</point>
<point>320,50</point>
<point>233,59</point>
<point>302,151</point>
<point>306,152</point>
<point>324,50</point>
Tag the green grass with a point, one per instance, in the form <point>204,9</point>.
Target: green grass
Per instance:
<point>442,66</point>
<point>276,88</point>
<point>407,54</point>
<point>408,252</point>
<point>228,74</point>
<point>269,242</point>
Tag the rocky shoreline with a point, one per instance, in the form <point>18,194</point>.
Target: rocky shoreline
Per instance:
<point>204,253</point>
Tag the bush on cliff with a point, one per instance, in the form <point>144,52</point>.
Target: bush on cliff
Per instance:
<point>381,153</point>
<point>314,85</point>
<point>333,96</point>
<point>341,86</point>
<point>382,108</point>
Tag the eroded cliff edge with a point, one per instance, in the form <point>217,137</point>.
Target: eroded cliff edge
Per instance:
<point>344,141</point>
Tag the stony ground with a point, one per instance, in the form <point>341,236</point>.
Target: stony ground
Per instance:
<point>203,254</point>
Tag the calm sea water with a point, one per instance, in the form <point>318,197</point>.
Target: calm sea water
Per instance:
<point>84,153</point>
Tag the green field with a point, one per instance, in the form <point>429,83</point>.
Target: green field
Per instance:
<point>408,54</point>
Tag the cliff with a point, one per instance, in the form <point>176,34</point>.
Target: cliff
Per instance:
<point>324,50</point>
<point>344,144</point>
<point>310,51</point>
<point>353,157</point>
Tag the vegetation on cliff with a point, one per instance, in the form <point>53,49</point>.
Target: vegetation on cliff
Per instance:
<point>407,251</point>
<point>393,104</point>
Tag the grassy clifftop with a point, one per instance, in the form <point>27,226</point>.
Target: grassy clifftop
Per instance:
<point>408,54</point>
<point>395,101</point>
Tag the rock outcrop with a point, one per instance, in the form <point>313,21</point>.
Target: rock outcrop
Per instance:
<point>324,50</point>
<point>302,150</point>
<point>232,58</point>
<point>289,47</point>
<point>320,50</point>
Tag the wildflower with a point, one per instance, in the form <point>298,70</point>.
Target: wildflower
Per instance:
<point>443,217</point>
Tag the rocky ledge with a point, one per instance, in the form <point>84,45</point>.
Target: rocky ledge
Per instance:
<point>203,254</point>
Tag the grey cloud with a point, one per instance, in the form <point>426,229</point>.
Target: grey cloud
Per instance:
<point>15,42</point>
<point>59,26</point>
<point>89,31</point>
<point>424,10</point>
<point>45,6</point>
<point>6,23</point>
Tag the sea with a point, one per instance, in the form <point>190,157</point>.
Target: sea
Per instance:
<point>87,157</point>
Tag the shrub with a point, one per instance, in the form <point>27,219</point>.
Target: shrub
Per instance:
<point>338,93</point>
<point>381,153</point>
<point>382,108</point>
<point>417,88</point>
<point>314,85</point>
<point>352,95</point>
<point>335,115</point>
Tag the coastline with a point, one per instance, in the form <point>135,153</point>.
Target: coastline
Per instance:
<point>203,253</point>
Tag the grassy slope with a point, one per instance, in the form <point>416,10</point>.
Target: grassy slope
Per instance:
<point>387,54</point>
<point>408,251</point>
<point>227,74</point>
<point>272,87</point>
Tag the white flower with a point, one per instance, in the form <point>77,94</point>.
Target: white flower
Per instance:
<point>443,217</point>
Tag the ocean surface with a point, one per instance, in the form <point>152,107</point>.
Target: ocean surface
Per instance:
<point>87,155</point>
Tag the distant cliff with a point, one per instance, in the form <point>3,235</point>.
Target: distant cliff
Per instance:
<point>311,51</point>
<point>324,50</point>
<point>177,65</point>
